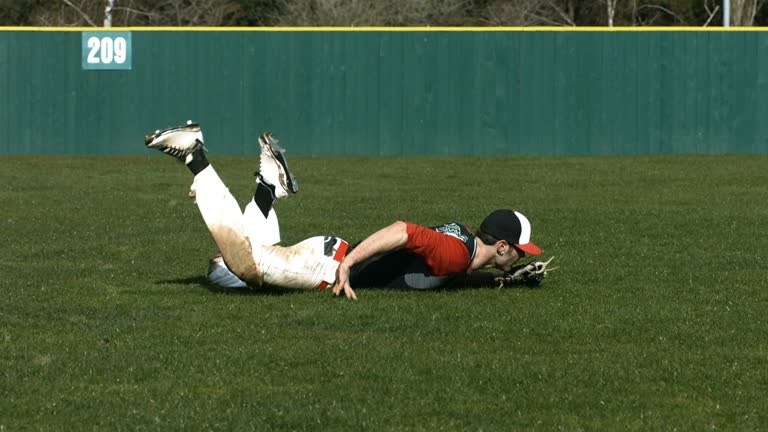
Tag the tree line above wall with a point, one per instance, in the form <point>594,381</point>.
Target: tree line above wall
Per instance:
<point>358,13</point>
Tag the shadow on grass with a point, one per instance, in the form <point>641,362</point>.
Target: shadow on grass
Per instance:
<point>203,282</point>
<point>451,288</point>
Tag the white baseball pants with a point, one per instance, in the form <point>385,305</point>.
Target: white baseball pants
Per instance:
<point>247,242</point>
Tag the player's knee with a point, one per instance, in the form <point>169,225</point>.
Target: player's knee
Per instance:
<point>241,262</point>
<point>219,274</point>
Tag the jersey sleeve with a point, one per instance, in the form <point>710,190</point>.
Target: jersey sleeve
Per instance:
<point>444,255</point>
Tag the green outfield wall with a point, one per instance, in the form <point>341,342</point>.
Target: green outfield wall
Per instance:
<point>384,92</point>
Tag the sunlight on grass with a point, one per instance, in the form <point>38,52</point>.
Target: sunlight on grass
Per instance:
<point>654,321</point>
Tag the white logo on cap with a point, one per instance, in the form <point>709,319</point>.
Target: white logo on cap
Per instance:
<point>525,229</point>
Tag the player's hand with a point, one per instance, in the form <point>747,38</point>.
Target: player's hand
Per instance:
<point>342,282</point>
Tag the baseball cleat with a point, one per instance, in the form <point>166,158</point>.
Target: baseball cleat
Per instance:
<point>274,168</point>
<point>179,142</point>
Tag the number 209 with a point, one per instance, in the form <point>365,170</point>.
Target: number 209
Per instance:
<point>107,50</point>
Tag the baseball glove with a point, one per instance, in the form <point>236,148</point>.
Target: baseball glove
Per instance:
<point>530,274</point>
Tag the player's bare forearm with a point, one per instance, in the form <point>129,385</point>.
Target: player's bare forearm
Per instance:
<point>386,239</point>
<point>479,279</point>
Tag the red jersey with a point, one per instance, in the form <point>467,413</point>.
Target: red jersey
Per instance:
<point>432,258</point>
<point>443,248</point>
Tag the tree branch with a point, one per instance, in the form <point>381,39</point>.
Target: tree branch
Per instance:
<point>83,14</point>
<point>662,8</point>
<point>135,11</point>
<point>562,14</point>
<point>711,14</point>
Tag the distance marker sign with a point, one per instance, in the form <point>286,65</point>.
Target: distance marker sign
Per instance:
<point>106,50</point>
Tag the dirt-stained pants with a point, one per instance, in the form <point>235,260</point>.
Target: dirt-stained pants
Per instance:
<point>248,248</point>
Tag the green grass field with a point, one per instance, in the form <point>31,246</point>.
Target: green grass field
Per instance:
<point>656,319</point>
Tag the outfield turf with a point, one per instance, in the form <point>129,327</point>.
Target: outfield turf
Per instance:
<point>656,320</point>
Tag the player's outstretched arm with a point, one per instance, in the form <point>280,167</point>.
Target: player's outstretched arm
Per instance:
<point>384,240</point>
<point>479,279</point>
<point>530,274</point>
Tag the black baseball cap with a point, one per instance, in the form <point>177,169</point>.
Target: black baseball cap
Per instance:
<point>511,226</point>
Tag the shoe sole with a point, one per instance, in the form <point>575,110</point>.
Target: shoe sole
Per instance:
<point>277,154</point>
<point>149,140</point>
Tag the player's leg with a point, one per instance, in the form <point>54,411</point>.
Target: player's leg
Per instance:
<point>219,209</point>
<point>274,180</point>
<point>226,223</point>
<point>219,274</point>
<point>261,224</point>
<point>310,264</point>
<point>261,228</point>
<point>306,265</point>
<point>260,219</point>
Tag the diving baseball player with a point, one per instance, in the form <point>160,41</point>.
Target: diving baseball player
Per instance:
<point>402,255</point>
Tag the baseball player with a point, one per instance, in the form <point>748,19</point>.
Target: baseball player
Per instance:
<point>402,255</point>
